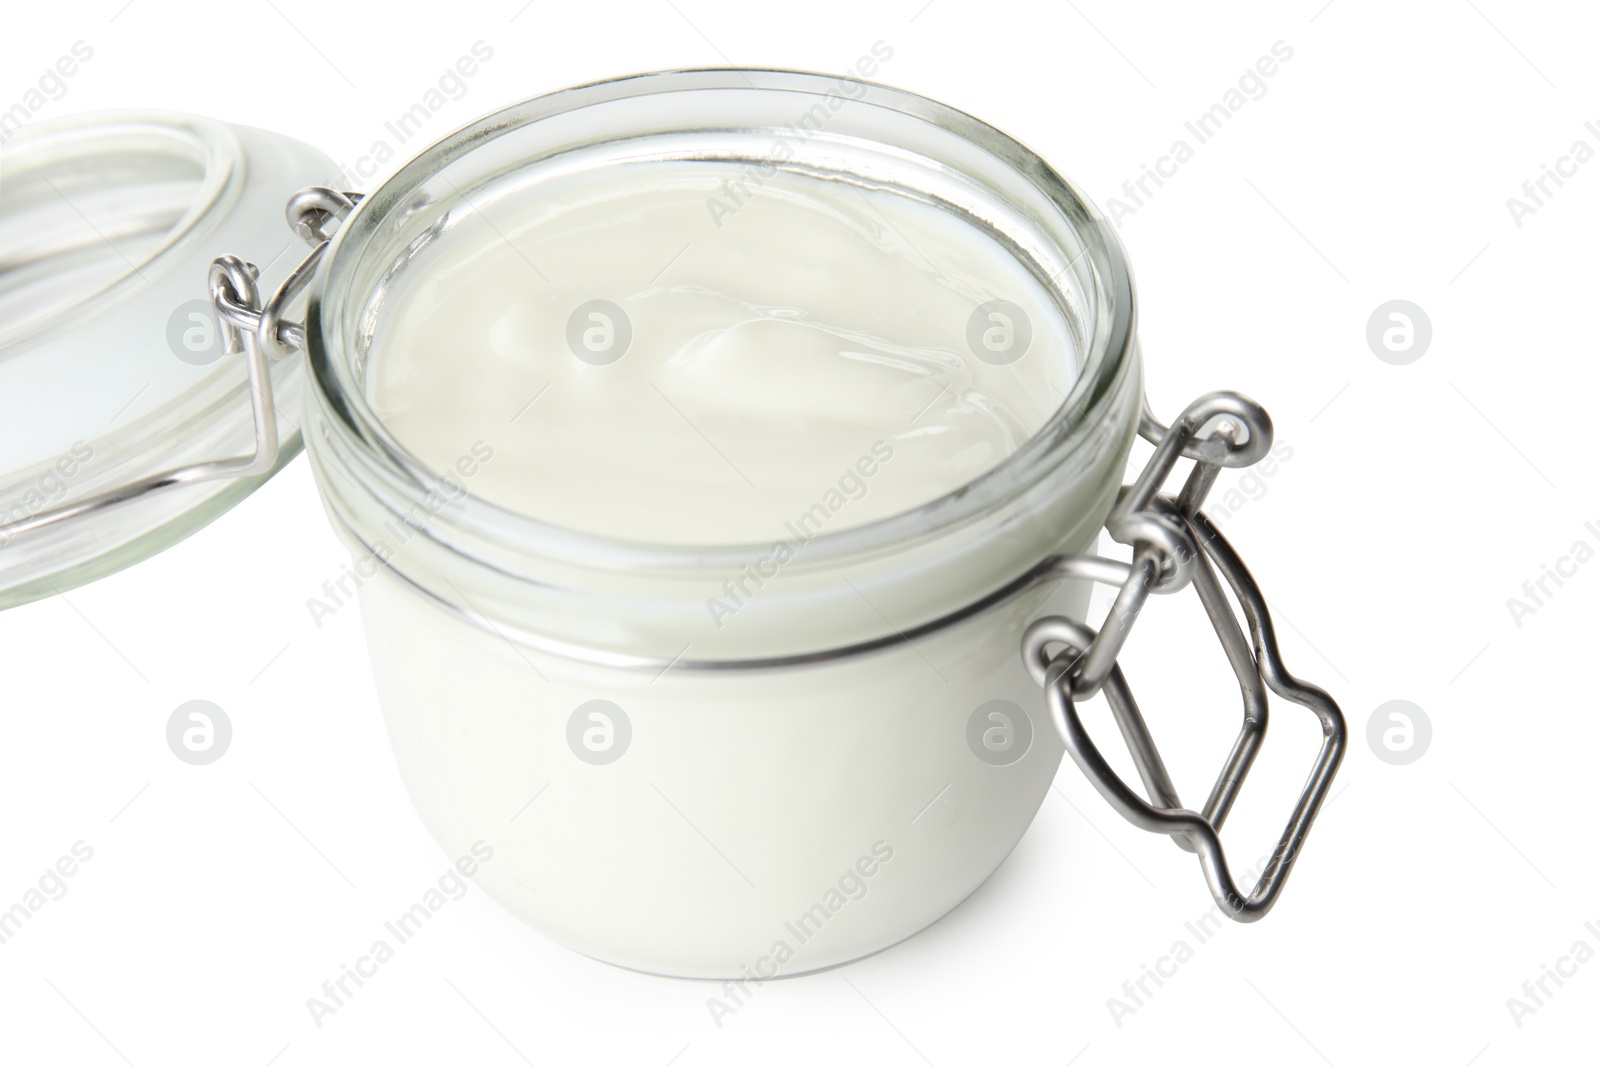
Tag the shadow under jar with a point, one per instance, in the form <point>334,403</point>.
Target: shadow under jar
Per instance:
<point>662,416</point>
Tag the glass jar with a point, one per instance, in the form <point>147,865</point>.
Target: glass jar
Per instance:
<point>748,769</point>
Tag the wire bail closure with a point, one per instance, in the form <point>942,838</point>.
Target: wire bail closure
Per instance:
<point>1174,545</point>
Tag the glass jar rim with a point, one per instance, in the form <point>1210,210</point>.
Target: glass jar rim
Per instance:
<point>336,301</point>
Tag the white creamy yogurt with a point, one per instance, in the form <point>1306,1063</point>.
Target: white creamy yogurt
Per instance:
<point>764,345</point>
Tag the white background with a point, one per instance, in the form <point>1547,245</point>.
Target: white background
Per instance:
<point>1418,499</point>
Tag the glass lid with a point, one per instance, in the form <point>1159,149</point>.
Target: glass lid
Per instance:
<point>112,368</point>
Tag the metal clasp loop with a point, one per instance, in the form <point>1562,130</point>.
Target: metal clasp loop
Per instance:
<point>1174,544</point>
<point>1240,433</point>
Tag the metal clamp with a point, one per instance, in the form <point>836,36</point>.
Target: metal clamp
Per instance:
<point>259,331</point>
<point>1174,545</point>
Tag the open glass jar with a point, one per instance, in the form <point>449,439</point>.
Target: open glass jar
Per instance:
<point>740,731</point>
